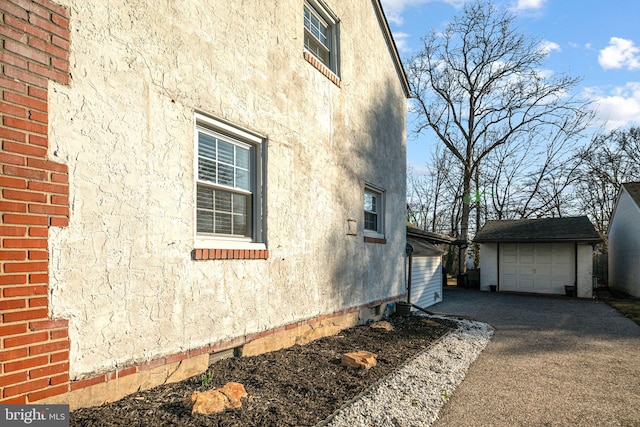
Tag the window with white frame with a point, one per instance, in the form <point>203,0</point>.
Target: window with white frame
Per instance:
<point>321,33</point>
<point>373,212</point>
<point>228,193</point>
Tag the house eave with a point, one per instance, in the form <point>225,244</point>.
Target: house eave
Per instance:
<point>391,44</point>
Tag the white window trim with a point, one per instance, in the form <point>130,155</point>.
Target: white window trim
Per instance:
<point>380,193</point>
<point>240,135</point>
<point>322,10</point>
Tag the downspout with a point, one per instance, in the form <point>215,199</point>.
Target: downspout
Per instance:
<point>409,250</point>
<point>575,281</point>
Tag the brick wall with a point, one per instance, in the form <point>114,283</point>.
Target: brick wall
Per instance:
<point>34,356</point>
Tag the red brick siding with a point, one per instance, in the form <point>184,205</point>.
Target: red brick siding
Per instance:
<point>34,195</point>
<point>208,254</point>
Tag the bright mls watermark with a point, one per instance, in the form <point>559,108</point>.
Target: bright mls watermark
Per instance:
<point>34,415</point>
<point>477,196</point>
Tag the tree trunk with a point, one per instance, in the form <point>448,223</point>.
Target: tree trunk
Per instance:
<point>464,221</point>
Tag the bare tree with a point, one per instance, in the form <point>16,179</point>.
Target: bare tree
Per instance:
<point>609,161</point>
<point>431,196</point>
<point>532,181</point>
<point>479,85</point>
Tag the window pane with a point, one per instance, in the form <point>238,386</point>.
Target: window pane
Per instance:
<point>225,152</point>
<point>242,157</point>
<point>240,225</point>
<point>207,170</point>
<point>225,174</point>
<point>206,146</point>
<point>204,221</point>
<point>223,223</point>
<point>223,201</point>
<point>370,202</point>
<point>240,204</point>
<point>370,221</point>
<point>242,179</point>
<point>205,197</point>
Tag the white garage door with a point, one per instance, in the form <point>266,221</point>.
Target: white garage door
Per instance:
<point>426,280</point>
<point>536,267</point>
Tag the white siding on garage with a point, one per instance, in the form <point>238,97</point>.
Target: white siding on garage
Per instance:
<point>488,265</point>
<point>536,267</point>
<point>426,280</point>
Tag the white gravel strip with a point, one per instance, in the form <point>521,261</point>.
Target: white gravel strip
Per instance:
<point>414,394</point>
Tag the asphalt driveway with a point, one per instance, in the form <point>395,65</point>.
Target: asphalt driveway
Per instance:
<point>553,361</point>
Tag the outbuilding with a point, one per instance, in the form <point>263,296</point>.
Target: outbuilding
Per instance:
<point>624,240</point>
<point>425,280</point>
<point>545,256</point>
<point>424,265</point>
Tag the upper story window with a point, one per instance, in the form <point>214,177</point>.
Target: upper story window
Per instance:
<point>228,183</point>
<point>373,212</point>
<point>321,34</point>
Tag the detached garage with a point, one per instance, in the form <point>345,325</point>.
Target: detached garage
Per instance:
<point>538,255</point>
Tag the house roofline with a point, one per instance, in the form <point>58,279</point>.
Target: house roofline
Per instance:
<point>615,206</point>
<point>592,240</point>
<point>392,47</point>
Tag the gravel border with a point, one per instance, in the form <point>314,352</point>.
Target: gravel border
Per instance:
<point>414,395</point>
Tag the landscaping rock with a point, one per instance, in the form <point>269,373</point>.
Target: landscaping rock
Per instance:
<point>359,359</point>
<point>218,400</point>
<point>383,324</point>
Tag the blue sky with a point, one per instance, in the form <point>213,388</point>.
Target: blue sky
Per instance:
<point>593,39</point>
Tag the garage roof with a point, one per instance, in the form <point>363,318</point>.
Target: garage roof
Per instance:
<point>422,248</point>
<point>566,229</point>
<point>432,237</point>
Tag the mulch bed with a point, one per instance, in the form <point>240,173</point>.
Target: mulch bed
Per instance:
<point>298,386</point>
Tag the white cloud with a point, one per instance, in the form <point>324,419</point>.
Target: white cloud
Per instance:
<point>621,53</point>
<point>401,41</point>
<point>618,108</point>
<point>528,5</point>
<point>393,9</point>
<point>547,46</point>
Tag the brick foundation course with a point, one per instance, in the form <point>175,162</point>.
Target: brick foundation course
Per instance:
<point>110,386</point>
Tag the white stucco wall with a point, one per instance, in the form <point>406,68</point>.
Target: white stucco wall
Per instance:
<point>122,272</point>
<point>624,246</point>
<point>488,265</point>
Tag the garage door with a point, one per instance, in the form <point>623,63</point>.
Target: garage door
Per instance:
<point>426,280</point>
<point>536,267</point>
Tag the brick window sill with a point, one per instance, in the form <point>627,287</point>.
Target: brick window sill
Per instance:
<point>222,254</point>
<point>322,68</point>
<point>375,240</point>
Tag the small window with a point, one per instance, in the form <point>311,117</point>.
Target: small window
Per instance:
<point>228,201</point>
<point>373,212</point>
<point>321,34</point>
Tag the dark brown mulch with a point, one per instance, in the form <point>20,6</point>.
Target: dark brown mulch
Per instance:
<point>298,386</point>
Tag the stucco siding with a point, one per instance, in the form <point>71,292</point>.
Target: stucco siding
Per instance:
<point>122,272</point>
<point>624,246</point>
